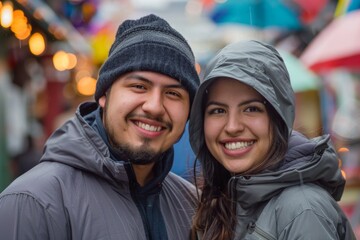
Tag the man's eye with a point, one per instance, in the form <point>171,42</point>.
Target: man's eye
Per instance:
<point>139,86</point>
<point>173,93</point>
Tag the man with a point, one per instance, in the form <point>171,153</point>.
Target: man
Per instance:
<point>105,173</point>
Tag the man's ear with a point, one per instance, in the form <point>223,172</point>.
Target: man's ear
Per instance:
<point>102,101</point>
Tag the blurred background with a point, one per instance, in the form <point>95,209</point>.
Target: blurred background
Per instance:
<point>51,51</point>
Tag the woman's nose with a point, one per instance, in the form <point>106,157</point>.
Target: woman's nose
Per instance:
<point>234,124</point>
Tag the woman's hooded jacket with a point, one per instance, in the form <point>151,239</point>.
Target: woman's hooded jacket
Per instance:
<point>298,199</point>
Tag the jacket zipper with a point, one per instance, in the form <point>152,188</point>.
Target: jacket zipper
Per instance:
<point>133,187</point>
<point>261,233</point>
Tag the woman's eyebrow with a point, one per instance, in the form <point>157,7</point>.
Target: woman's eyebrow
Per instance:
<point>240,104</point>
<point>215,103</point>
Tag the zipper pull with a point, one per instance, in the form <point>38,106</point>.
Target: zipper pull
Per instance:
<point>251,227</point>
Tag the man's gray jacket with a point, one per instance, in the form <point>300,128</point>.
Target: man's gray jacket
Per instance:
<point>78,192</point>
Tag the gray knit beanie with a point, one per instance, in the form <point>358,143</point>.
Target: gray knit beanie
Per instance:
<point>149,44</point>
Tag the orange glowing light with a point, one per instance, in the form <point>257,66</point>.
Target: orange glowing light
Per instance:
<point>198,68</point>
<point>343,174</point>
<point>343,149</point>
<point>37,44</point>
<point>86,86</point>
<point>6,14</point>
<point>60,61</point>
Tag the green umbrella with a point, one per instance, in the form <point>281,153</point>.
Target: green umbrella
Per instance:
<point>302,79</point>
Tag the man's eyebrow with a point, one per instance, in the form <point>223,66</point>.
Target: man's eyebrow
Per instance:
<point>144,79</point>
<point>138,77</point>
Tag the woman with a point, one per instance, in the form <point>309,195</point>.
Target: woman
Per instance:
<point>261,179</point>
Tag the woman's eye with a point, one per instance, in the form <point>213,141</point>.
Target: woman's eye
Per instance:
<point>216,111</point>
<point>253,109</point>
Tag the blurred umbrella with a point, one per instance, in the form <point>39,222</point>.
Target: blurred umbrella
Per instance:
<point>337,45</point>
<point>309,9</point>
<point>302,79</point>
<point>256,13</point>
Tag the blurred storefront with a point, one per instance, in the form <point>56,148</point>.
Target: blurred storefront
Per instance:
<point>40,54</point>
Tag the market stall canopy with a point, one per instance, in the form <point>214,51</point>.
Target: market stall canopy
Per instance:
<point>337,45</point>
<point>309,9</point>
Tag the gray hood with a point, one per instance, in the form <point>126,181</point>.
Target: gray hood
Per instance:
<point>255,64</point>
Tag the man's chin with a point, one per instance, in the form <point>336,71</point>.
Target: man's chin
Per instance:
<point>142,162</point>
<point>141,155</point>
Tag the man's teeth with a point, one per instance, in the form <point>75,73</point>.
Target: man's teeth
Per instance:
<point>237,145</point>
<point>149,127</point>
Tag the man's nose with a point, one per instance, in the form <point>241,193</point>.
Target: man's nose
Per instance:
<point>154,104</point>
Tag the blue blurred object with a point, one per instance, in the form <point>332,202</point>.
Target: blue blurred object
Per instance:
<point>184,157</point>
<point>257,13</point>
<point>353,5</point>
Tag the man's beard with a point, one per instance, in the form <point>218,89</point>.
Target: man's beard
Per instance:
<point>141,155</point>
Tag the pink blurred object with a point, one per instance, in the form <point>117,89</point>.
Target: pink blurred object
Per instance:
<point>337,45</point>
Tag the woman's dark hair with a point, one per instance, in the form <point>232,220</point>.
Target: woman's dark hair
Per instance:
<point>216,214</point>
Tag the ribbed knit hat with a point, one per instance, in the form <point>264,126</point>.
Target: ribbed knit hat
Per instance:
<point>149,44</point>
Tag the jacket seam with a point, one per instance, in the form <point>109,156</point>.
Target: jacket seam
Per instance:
<point>304,211</point>
<point>45,209</point>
